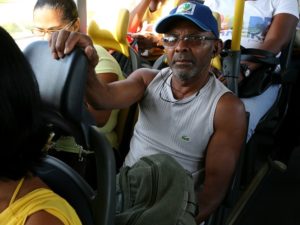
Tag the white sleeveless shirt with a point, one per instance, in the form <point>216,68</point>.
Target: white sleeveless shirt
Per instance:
<point>180,128</point>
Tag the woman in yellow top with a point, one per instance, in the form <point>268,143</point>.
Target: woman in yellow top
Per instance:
<point>24,198</point>
<point>54,15</point>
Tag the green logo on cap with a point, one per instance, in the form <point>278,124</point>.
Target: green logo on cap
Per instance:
<point>186,8</point>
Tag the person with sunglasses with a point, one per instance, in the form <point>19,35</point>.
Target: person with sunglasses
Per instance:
<point>50,16</point>
<point>184,110</point>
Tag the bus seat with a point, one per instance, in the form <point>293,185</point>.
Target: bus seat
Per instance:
<point>112,35</point>
<point>160,62</point>
<point>62,86</point>
<point>63,180</point>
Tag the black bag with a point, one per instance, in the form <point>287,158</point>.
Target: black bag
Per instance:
<point>257,82</point>
<point>155,191</point>
<point>262,78</point>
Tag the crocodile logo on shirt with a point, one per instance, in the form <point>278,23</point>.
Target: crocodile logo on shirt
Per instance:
<point>185,138</point>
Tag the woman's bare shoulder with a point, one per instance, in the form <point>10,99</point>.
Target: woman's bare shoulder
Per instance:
<point>43,217</point>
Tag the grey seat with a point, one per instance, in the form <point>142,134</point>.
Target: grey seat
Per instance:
<point>62,84</point>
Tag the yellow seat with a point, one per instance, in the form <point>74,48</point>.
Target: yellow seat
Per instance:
<point>111,33</point>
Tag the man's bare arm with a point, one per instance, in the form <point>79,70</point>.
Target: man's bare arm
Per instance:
<point>222,153</point>
<point>278,36</point>
<point>136,16</point>
<point>120,94</point>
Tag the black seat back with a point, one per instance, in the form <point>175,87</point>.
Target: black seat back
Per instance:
<point>62,87</point>
<point>62,84</point>
<point>128,64</point>
<point>63,180</point>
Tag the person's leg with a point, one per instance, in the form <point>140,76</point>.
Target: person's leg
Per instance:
<point>259,105</point>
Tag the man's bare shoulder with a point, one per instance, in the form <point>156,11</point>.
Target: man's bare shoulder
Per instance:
<point>43,217</point>
<point>231,118</point>
<point>145,74</point>
<point>230,103</point>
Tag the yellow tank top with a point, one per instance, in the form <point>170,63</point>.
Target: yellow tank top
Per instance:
<point>40,199</point>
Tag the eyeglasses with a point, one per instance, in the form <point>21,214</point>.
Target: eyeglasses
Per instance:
<point>43,31</point>
<point>171,41</point>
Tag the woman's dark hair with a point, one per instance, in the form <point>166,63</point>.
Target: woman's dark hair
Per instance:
<point>22,131</point>
<point>67,7</point>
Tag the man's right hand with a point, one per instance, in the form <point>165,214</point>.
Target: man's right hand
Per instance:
<point>63,42</point>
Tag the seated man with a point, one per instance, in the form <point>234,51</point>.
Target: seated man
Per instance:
<point>184,110</point>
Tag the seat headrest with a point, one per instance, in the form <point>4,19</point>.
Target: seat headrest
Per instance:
<point>61,82</point>
<point>111,33</point>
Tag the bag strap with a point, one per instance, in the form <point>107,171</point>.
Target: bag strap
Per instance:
<point>189,205</point>
<point>253,55</point>
<point>259,56</point>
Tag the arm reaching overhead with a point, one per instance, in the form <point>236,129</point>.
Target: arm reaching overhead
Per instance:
<point>136,16</point>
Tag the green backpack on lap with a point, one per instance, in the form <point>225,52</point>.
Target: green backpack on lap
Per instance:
<point>155,191</point>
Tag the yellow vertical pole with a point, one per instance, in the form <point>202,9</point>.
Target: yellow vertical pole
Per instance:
<point>237,25</point>
<point>231,63</point>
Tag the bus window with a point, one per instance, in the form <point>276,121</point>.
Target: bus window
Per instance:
<point>16,17</point>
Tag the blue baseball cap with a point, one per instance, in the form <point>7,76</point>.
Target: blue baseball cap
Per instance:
<point>199,14</point>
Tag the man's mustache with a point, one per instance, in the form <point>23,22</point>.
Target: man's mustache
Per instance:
<point>182,58</point>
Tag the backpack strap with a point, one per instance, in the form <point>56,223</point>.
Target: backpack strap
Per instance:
<point>188,205</point>
<point>253,54</point>
<point>259,56</point>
